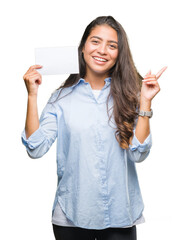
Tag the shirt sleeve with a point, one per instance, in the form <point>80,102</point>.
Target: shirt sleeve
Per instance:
<point>138,152</point>
<point>42,139</point>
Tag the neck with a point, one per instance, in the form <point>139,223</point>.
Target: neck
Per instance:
<point>96,81</point>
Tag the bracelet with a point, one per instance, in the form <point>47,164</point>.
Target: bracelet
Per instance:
<point>146,113</point>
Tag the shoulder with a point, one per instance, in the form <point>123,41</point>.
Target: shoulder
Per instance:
<point>59,93</point>
<point>62,92</point>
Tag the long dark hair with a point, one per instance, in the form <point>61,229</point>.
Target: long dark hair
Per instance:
<point>125,81</point>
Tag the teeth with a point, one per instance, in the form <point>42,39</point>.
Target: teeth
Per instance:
<point>100,59</point>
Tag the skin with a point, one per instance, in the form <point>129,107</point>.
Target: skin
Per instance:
<point>32,81</point>
<point>150,87</point>
<point>101,43</point>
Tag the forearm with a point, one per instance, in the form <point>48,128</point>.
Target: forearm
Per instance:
<point>143,124</point>
<point>32,119</point>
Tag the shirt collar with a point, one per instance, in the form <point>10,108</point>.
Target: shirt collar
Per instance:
<point>106,80</point>
<point>63,92</point>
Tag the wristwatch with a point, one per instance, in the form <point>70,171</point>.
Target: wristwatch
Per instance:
<point>146,113</point>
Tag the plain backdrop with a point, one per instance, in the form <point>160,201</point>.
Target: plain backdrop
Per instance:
<point>158,36</point>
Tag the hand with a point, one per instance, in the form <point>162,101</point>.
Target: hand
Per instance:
<point>33,79</point>
<point>150,85</point>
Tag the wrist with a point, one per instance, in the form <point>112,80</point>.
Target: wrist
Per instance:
<point>32,96</point>
<point>145,104</point>
<point>32,99</point>
<point>148,114</point>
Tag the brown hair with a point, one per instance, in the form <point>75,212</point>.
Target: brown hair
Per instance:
<point>125,81</point>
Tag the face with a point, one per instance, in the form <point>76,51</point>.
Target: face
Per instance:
<point>101,50</point>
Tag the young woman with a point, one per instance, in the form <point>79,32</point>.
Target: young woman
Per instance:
<point>100,118</point>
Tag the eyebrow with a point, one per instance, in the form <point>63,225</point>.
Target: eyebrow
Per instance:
<point>112,41</point>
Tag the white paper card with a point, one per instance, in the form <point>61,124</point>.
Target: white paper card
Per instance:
<point>57,60</point>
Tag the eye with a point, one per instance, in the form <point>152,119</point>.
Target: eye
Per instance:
<point>113,46</point>
<point>95,41</point>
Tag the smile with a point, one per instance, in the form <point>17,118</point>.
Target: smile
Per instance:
<point>100,59</point>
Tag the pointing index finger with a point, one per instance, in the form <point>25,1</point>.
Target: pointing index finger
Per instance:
<point>160,72</point>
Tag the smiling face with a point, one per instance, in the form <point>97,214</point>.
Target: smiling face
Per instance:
<point>100,51</point>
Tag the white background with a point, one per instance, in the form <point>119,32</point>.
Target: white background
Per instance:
<point>158,36</point>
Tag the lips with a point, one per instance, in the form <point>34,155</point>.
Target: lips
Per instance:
<point>100,59</point>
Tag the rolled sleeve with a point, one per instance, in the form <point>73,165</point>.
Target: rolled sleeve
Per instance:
<point>137,151</point>
<point>141,147</point>
<point>36,139</point>
<point>42,139</point>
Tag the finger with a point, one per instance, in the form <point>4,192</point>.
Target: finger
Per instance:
<point>31,74</point>
<point>34,67</point>
<point>34,79</point>
<point>150,76</point>
<point>160,72</point>
<point>37,66</point>
<point>34,76</point>
<point>148,73</point>
<point>149,79</point>
<point>153,83</point>
<point>35,72</point>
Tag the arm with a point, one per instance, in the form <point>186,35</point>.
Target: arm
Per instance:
<point>38,135</point>
<point>32,80</point>
<point>143,124</point>
<point>141,141</point>
<point>41,140</point>
<point>150,88</point>
<point>32,119</point>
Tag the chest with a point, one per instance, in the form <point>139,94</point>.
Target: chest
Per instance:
<point>80,113</point>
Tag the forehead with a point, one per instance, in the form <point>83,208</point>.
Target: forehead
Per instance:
<point>105,32</point>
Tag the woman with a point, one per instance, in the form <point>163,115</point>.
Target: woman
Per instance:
<point>100,118</point>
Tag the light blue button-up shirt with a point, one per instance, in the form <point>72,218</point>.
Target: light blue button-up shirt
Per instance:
<point>97,180</point>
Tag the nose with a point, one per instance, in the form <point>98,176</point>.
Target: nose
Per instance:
<point>102,49</point>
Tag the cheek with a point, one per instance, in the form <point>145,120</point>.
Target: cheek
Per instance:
<point>115,56</point>
<point>88,49</point>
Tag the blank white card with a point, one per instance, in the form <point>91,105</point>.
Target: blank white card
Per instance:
<point>57,60</point>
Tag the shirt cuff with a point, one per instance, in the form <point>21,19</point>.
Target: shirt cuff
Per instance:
<point>34,140</point>
<point>141,147</point>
